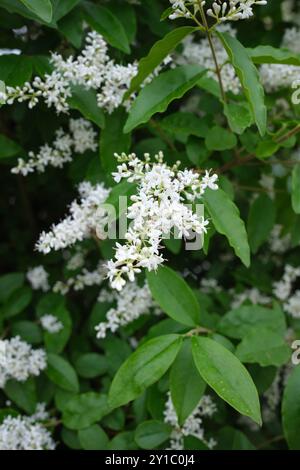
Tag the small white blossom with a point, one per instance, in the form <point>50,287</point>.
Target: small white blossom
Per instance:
<point>19,361</point>
<point>38,278</point>
<point>253,295</point>
<point>279,243</point>
<point>83,279</point>
<point>51,324</point>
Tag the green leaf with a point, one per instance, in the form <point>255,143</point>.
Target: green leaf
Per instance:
<point>272,55</point>
<point>225,374</point>
<point>249,78</point>
<point>55,342</point>
<point>125,190</point>
<point>291,410</point>
<point>61,373</point>
<point>15,69</point>
<point>152,434</point>
<point>28,331</point>
<point>17,302</point>
<point>42,8</point>
<point>113,140</point>
<point>220,139</point>
<point>86,102</point>
<point>266,148</point>
<point>10,283</point>
<point>91,365</point>
<point>156,55</point>
<point>232,439</point>
<point>8,148</point>
<point>84,410</point>
<point>62,8</point>
<point>181,125</point>
<point>296,189</point>
<point>238,115</point>
<point>23,394</point>
<point>2,90</point>
<point>123,441</point>
<point>186,385</point>
<point>70,439</point>
<point>143,368</point>
<point>93,438</point>
<point>71,26</point>
<point>261,220</point>
<point>239,321</point>
<point>174,296</point>
<point>106,23</point>
<point>157,95</point>
<point>127,16</point>
<point>210,85</point>
<point>226,219</point>
<point>264,347</point>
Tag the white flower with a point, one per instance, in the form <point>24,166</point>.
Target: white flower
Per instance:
<point>133,302</point>
<point>51,324</point>
<point>210,285</point>
<point>279,243</point>
<point>86,217</point>
<point>20,360</point>
<point>38,278</point>
<point>83,279</point>
<point>158,207</point>
<point>234,9</point>
<point>81,138</point>
<point>26,432</point>
<point>193,425</point>
<point>283,290</point>
<point>253,295</point>
<point>292,305</point>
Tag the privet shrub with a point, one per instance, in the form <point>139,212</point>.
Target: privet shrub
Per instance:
<point>150,218</point>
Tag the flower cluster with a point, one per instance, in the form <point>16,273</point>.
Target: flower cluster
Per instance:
<point>283,290</point>
<point>26,432</point>
<point>252,295</point>
<point>19,361</point>
<point>193,425</point>
<point>92,69</point>
<point>86,216</point>
<point>130,305</point>
<point>81,137</point>
<point>83,279</point>
<point>231,10</point>
<point>158,207</point>
<point>199,52</point>
<point>38,278</point>
<point>278,242</point>
<point>51,324</point>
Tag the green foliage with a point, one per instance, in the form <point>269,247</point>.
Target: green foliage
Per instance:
<point>226,376</point>
<point>174,296</point>
<point>156,97</point>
